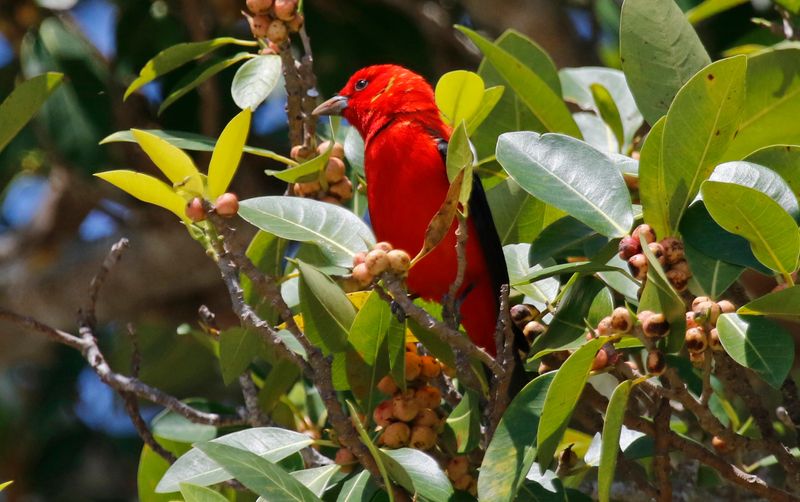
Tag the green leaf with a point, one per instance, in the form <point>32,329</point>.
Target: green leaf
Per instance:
<point>171,426</point>
<point>22,104</point>
<point>373,450</point>
<point>772,103</point>
<point>612,427</point>
<point>784,160</point>
<point>771,231</point>
<point>577,83</point>
<point>255,80</point>
<point>458,95</point>
<point>660,51</point>
<point>418,473</point>
<point>489,100</point>
<point>237,347</point>
<point>358,488</point>
<point>581,267</point>
<point>280,380</point>
<point>152,467</point>
<point>512,450</point>
<point>608,110</point>
<point>464,422</point>
<point>307,171</point>
<point>758,343</point>
<point>327,312</point>
<point>602,306</point>
<point>193,142</point>
<point>517,216</point>
<point>700,125</point>
<point>562,396</point>
<point>258,474</point>
<point>545,104</point>
<point>317,479</point>
<point>176,56</point>
<point>570,175</point>
<point>709,8</point>
<point>369,327</point>
<point>561,237</point>
<point>271,443</point>
<point>147,189</point>
<point>760,178</point>
<point>227,154</point>
<point>659,296</point>
<point>566,330</point>
<point>712,275</point>
<point>172,161</point>
<point>199,75</point>
<point>652,181</point>
<point>541,292</point>
<point>783,303</point>
<point>396,342</point>
<point>5,485</point>
<point>339,233</point>
<point>266,252</point>
<point>195,493</point>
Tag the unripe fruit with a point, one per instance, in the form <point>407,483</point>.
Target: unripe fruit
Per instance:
<point>413,366</point>
<point>521,314</point>
<point>696,340</point>
<point>259,26</point>
<point>637,264</point>
<point>336,152</point>
<point>714,341</point>
<point>362,275</point>
<point>628,247</point>
<point>411,347</point>
<point>428,418</point>
<point>260,7</point>
<point>195,211</point>
<point>658,252</point>
<point>382,415</point>
<point>359,258</point>
<point>644,315</point>
<point>457,467</point>
<point>655,326</point>
<point>405,407</point>
<point>673,250</point>
<point>656,362</point>
<point>383,245</point>
<point>532,330</point>
<point>334,171</point>
<point>428,397</point>
<point>308,188</point>
<point>691,321</point>
<point>295,23</point>
<point>430,367</point>
<point>726,307</point>
<point>645,231</point>
<point>700,299</point>
<point>399,261</point>
<point>463,482</point>
<point>387,385</point>
<point>343,189</point>
<point>600,360</point>
<point>285,9</point>
<point>422,437</point>
<point>299,152</point>
<point>678,279</point>
<point>227,205</point>
<point>621,320</point>
<point>707,312</point>
<point>377,262</point>
<point>277,31</point>
<point>604,326</point>
<point>396,435</point>
<point>720,444</point>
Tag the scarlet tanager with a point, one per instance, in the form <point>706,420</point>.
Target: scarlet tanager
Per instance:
<point>405,146</point>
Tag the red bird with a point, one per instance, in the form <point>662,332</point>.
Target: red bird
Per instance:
<point>405,145</point>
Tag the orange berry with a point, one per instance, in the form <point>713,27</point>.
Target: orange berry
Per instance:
<point>343,189</point>
<point>463,482</point>
<point>359,258</point>
<point>399,261</point>
<point>413,366</point>
<point>277,31</point>
<point>383,245</point>
<point>411,347</point>
<point>227,205</point>
<point>195,211</point>
<point>457,467</point>
<point>296,23</point>
<point>362,275</point>
<point>336,152</point>
<point>646,231</point>
<point>377,262</point>
<point>600,360</point>
<point>404,406</point>
<point>285,9</point>
<point>533,329</point>
<point>427,417</point>
<point>655,325</point>
<point>428,396</point>
<point>387,385</point>
<point>696,340</point>
<point>334,171</point>
<point>260,7</point>
<point>726,307</point>
<point>396,435</point>
<point>430,367</point>
<point>720,444</point>
<point>259,25</point>
<point>621,320</point>
<point>382,414</point>
<point>307,188</point>
<point>422,437</point>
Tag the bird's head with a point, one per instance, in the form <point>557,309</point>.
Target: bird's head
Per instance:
<point>376,94</point>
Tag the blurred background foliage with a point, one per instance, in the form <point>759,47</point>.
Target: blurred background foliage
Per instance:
<point>64,435</point>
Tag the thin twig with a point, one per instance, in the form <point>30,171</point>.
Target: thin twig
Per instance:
<point>502,382</point>
<point>255,417</point>
<point>661,464</point>
<point>450,306</point>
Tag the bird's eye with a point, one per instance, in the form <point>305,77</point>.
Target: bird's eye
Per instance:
<point>361,85</point>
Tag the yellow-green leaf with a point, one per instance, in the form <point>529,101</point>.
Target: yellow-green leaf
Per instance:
<point>173,162</point>
<point>491,97</point>
<point>24,101</point>
<point>146,188</point>
<point>5,485</point>
<point>228,153</point>
<point>458,95</point>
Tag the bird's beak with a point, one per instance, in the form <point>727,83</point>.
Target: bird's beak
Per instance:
<point>333,106</point>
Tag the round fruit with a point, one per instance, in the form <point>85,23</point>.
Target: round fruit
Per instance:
<point>359,258</point>
<point>383,245</point>
<point>427,417</point>
<point>600,360</point>
<point>413,366</point>
<point>334,170</point>
<point>344,456</point>
<point>604,326</point>
<point>691,321</point>
<point>296,23</point>
<point>645,231</point>
<point>260,7</point>
<point>377,262</point>
<point>362,275</point>
<point>621,320</point>
<point>422,437</point>
<point>336,152</point>
<point>678,278</point>
<point>457,467</point>
<point>343,189</point>
<point>227,205</point>
<point>655,326</point>
<point>396,435</point>
<point>404,406</point>
<point>707,311</point>
<point>656,362</point>
<point>673,250</point>
<point>696,340</point>
<point>726,307</point>
<point>532,330</point>
<point>521,314</point>
<point>428,397</point>
<point>658,252</point>
<point>700,299</point>
<point>285,9</point>
<point>399,261</point>
<point>628,247</point>
<point>383,415</point>
<point>720,444</point>
<point>637,264</point>
<point>277,31</point>
<point>195,211</point>
<point>259,25</point>
<point>387,385</point>
<point>430,367</point>
<point>463,482</point>
<point>714,341</point>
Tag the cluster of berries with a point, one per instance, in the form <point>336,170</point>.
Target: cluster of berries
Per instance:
<point>273,20</point>
<point>226,205</point>
<point>463,475</point>
<point>337,188</point>
<point>669,252</point>
<point>368,266</point>
<point>701,327</point>
<point>525,316</point>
